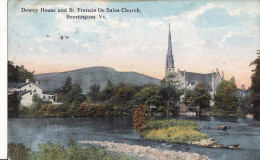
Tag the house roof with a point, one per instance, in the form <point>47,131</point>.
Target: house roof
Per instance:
<point>16,85</point>
<point>20,85</point>
<point>21,93</point>
<point>205,79</point>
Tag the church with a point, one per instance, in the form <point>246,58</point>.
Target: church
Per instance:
<point>189,80</point>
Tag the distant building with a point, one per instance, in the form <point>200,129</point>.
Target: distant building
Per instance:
<point>189,80</point>
<point>242,92</point>
<point>27,90</point>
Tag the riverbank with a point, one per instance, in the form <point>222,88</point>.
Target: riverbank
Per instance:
<point>147,153</point>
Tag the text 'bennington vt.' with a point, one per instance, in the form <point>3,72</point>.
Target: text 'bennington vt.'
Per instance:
<point>82,13</point>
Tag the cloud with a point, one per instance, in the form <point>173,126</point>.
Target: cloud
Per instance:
<point>42,49</point>
<point>228,35</point>
<point>197,12</point>
<point>211,44</point>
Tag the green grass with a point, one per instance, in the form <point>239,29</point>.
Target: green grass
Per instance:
<point>215,111</point>
<point>159,124</point>
<point>50,151</point>
<point>174,131</point>
<point>179,134</point>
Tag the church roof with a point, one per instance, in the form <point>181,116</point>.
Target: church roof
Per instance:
<point>205,79</point>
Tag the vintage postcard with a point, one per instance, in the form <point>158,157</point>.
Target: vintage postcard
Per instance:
<point>133,80</point>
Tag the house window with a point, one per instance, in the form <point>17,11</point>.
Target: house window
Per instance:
<point>35,90</point>
<point>30,93</point>
<point>193,83</point>
<point>30,85</point>
<point>24,89</point>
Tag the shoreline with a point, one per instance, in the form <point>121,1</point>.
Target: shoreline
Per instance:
<point>146,152</point>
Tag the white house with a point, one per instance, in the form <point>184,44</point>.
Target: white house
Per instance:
<point>27,90</point>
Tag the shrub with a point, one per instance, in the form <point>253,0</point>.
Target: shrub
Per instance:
<point>218,112</point>
<point>50,151</point>
<point>46,109</point>
<point>27,111</point>
<point>240,113</point>
<point>141,117</point>
<point>18,152</point>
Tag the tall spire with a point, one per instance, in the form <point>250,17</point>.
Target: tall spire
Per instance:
<point>169,42</point>
<point>169,57</point>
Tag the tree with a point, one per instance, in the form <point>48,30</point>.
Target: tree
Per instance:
<point>226,96</point>
<point>170,94</point>
<point>75,94</point>
<point>108,91</point>
<point>255,87</point>
<point>94,93</point>
<point>19,73</point>
<point>148,95</point>
<point>65,89</point>
<point>68,85</point>
<point>12,72</point>
<point>201,96</point>
<point>123,95</point>
<point>13,104</point>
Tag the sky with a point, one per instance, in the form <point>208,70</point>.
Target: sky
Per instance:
<point>205,35</point>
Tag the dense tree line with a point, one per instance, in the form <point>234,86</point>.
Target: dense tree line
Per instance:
<point>19,73</point>
<point>255,87</point>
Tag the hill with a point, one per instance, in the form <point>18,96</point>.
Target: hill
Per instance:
<point>93,75</point>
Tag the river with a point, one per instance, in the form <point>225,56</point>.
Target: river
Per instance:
<point>34,131</point>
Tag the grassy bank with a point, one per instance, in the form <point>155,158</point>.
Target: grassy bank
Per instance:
<point>176,135</point>
<point>173,131</point>
<point>50,151</point>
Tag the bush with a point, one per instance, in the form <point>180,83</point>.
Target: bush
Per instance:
<point>26,111</point>
<point>218,112</point>
<point>141,117</point>
<point>50,151</point>
<point>18,152</point>
<point>240,113</point>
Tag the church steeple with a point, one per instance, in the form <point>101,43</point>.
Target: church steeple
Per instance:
<point>169,57</point>
<point>169,42</point>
